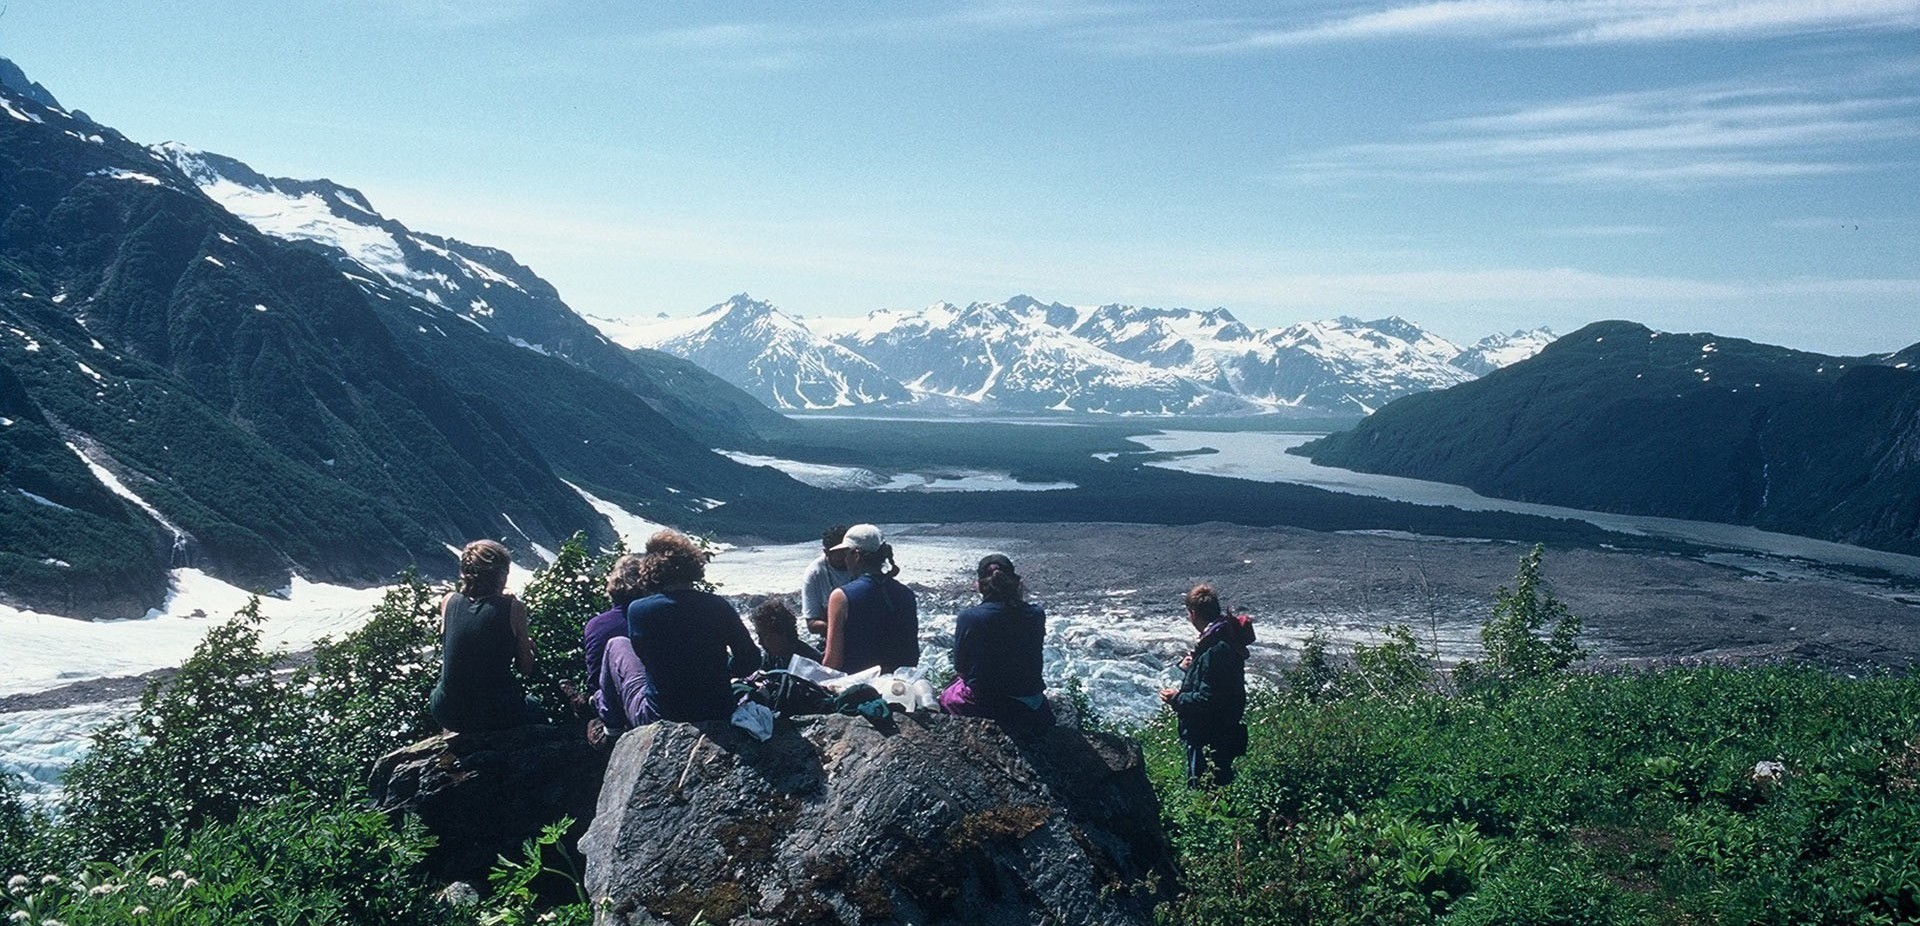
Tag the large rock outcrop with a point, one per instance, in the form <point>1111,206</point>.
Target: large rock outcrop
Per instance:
<point>923,819</point>
<point>483,794</point>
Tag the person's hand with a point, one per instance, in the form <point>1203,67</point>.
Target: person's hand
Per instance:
<point>1186,662</point>
<point>1167,694</point>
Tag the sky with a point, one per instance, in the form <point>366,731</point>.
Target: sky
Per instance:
<point>1746,167</point>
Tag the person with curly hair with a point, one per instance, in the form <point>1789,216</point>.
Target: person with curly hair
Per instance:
<point>689,642</point>
<point>483,634</point>
<point>1211,703</point>
<point>996,651</point>
<point>873,620</point>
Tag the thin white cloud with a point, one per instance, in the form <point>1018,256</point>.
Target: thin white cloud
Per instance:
<point>1676,137</point>
<point>1603,231</point>
<point>1577,22</point>
<point>459,14</point>
<point>962,268</point>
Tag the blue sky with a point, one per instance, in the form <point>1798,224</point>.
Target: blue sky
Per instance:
<point>1748,167</point>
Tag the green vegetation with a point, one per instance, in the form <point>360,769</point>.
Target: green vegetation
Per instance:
<point>1523,793</point>
<point>233,794</point>
<point>1378,790</point>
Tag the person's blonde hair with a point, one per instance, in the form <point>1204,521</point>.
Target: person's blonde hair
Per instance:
<point>624,584</point>
<point>483,568</point>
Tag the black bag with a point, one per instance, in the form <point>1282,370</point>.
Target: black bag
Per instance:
<point>790,695</point>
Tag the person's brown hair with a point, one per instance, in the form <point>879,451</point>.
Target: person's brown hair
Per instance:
<point>773,620</point>
<point>1203,601</point>
<point>998,580</point>
<point>881,558</point>
<point>671,559</point>
<point>624,583</point>
<point>483,569</point>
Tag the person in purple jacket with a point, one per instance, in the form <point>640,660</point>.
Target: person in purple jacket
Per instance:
<point>614,677</point>
<point>690,643</point>
<point>996,652</point>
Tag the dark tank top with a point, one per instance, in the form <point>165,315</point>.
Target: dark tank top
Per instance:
<point>477,690</point>
<point>882,625</point>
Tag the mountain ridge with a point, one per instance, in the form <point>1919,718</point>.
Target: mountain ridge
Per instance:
<point>184,390</point>
<point>1025,355</point>
<point>1619,417</point>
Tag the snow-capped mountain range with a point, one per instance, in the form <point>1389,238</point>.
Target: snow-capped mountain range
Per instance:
<point>1019,355</point>
<point>1026,355</point>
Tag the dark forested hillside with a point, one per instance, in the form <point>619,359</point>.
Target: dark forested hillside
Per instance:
<point>179,389</point>
<point>482,287</point>
<point>1616,417</point>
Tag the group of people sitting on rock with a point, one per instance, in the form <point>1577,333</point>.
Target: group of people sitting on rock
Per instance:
<point>670,650</point>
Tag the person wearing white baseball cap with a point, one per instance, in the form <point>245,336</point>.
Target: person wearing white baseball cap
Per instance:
<point>873,620</point>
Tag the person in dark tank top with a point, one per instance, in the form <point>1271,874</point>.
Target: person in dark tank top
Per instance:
<point>483,635</point>
<point>872,620</point>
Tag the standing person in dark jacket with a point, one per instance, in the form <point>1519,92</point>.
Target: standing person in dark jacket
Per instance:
<point>996,652</point>
<point>483,633</point>
<point>690,643</point>
<point>1211,702</point>
<point>873,620</point>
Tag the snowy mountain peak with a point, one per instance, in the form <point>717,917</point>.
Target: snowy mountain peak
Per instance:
<point>772,355</point>
<point>742,305</point>
<point>1500,350</point>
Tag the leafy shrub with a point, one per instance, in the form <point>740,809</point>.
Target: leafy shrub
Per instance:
<point>223,734</point>
<point>368,692</point>
<point>290,861</point>
<point>1513,638</point>
<point>560,599</point>
<point>22,829</point>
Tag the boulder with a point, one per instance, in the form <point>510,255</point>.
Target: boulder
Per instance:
<point>484,794</point>
<point>922,819</point>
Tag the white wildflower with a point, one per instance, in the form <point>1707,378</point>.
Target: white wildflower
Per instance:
<point>140,910</point>
<point>100,890</point>
<point>19,916</point>
<point>49,879</point>
<point>190,884</point>
<point>156,881</point>
<point>178,875</point>
<point>18,883</point>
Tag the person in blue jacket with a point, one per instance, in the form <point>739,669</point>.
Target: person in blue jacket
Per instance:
<point>1211,702</point>
<point>690,643</point>
<point>996,652</point>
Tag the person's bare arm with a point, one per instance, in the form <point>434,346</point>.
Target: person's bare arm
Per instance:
<point>522,638</point>
<point>445,600</point>
<point>836,631</point>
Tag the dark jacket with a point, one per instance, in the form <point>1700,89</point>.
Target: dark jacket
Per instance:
<point>692,645</point>
<point>1212,702</point>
